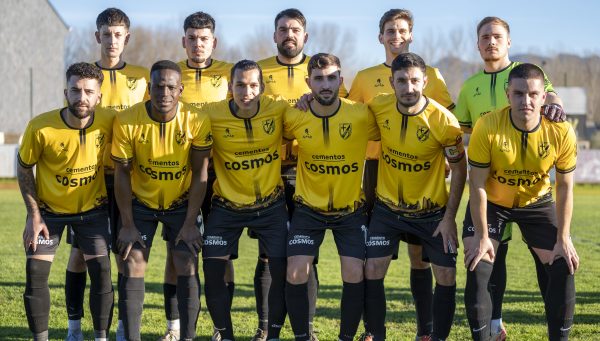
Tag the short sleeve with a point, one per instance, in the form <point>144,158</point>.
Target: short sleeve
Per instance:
<point>461,111</point>
<point>480,146</point>
<point>202,139</point>
<point>437,90</point>
<point>122,145</point>
<point>372,128</point>
<point>290,118</point>
<point>567,153</point>
<point>31,147</point>
<point>343,92</point>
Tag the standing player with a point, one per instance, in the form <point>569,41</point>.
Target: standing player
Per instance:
<point>511,154</point>
<point>395,34</point>
<point>285,75</point>
<point>161,149</point>
<point>417,136</point>
<point>332,142</point>
<point>204,80</point>
<point>67,146</point>
<point>124,86</point>
<point>248,192</point>
<point>482,93</point>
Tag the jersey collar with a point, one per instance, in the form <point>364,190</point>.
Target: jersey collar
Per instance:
<point>117,68</point>
<point>417,113</point>
<point>89,124</point>
<point>284,64</point>
<point>502,70</point>
<point>187,63</point>
<point>229,105</point>
<point>521,130</point>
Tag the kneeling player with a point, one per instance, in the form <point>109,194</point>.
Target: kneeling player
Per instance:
<point>511,154</point>
<point>332,141</point>
<point>67,146</point>
<point>417,135</point>
<point>248,192</point>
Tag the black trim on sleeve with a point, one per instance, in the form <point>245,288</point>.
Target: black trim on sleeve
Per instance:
<point>479,165</point>
<point>22,163</point>
<point>565,171</point>
<point>120,160</point>
<point>203,148</point>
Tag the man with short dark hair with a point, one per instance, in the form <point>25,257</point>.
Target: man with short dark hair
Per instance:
<point>125,85</point>
<point>67,147</point>
<point>483,93</point>
<point>161,149</point>
<point>511,154</point>
<point>396,35</point>
<point>248,192</point>
<point>417,136</point>
<point>331,147</point>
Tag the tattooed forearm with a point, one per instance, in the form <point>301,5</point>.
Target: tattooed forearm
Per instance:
<point>27,186</point>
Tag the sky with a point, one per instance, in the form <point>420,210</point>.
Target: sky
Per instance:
<point>540,27</point>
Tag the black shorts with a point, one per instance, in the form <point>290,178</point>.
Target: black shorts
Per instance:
<point>307,230</point>
<point>90,231</point>
<point>146,221</point>
<point>387,228</point>
<point>538,223</point>
<point>225,225</point>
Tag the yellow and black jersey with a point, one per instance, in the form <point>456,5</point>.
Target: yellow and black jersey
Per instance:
<point>160,151</point>
<point>485,92</point>
<point>69,169</point>
<point>204,85</point>
<point>520,161</point>
<point>330,155</point>
<point>288,80</point>
<point>246,151</point>
<point>411,165</point>
<point>375,80</point>
<point>125,86</point>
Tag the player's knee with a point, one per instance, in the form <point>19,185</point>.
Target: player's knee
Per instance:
<point>76,261</point>
<point>375,268</point>
<point>296,274</point>
<point>135,264</point>
<point>558,270</point>
<point>37,272</point>
<point>445,275</point>
<point>170,273</point>
<point>99,269</point>
<point>415,255</point>
<point>229,272</point>
<point>184,263</point>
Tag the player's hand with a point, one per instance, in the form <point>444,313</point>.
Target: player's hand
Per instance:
<point>128,236</point>
<point>554,112</point>
<point>447,169</point>
<point>447,227</point>
<point>34,225</point>
<point>190,236</point>
<point>304,102</point>
<point>476,249</point>
<point>566,250</point>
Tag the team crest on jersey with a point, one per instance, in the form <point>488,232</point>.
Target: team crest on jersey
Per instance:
<point>378,83</point>
<point>99,140</point>
<point>132,83</point>
<point>543,150</point>
<point>143,139</point>
<point>270,80</point>
<point>422,133</point>
<point>386,124</point>
<point>269,126</point>
<point>345,130</point>
<point>181,137</point>
<point>505,147</point>
<point>216,81</point>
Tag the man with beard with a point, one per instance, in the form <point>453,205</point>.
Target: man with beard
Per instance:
<point>511,154</point>
<point>205,80</point>
<point>482,93</point>
<point>285,75</point>
<point>396,35</point>
<point>161,149</point>
<point>67,147</point>
<point>125,85</point>
<point>417,136</point>
<point>248,192</point>
<point>331,148</point>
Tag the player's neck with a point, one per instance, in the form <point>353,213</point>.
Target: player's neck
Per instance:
<point>202,65</point>
<point>324,110</point>
<point>73,121</point>
<point>491,66</point>
<point>295,60</point>
<point>412,110</point>
<point>390,56</point>
<point>111,63</point>
<point>525,122</point>
<point>158,116</point>
<point>244,113</point>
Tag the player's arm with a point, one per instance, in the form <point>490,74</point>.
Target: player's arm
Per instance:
<point>34,224</point>
<point>189,233</point>
<point>564,211</point>
<point>481,243</point>
<point>447,227</point>
<point>128,232</point>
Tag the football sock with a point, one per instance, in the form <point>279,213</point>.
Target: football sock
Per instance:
<point>262,283</point>
<point>188,298</point>
<point>133,291</point>
<point>560,300</point>
<point>421,282</point>
<point>277,308</point>
<point>352,305</point>
<point>478,301</point>
<point>217,296</point>
<point>498,280</point>
<point>296,299</point>
<point>375,308</point>
<point>313,290</point>
<point>37,296</point>
<point>444,305</point>
<point>101,293</point>
<point>170,301</point>
<point>74,290</point>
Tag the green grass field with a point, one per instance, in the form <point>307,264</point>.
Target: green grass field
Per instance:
<point>523,308</point>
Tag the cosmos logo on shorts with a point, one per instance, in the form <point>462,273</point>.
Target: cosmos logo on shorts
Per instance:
<point>301,240</point>
<point>43,241</point>
<point>214,241</point>
<point>378,241</point>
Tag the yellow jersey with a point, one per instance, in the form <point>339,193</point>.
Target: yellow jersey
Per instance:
<point>160,152</point>
<point>125,86</point>
<point>204,85</point>
<point>246,151</point>
<point>69,169</point>
<point>411,174</point>
<point>520,161</point>
<point>330,156</point>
